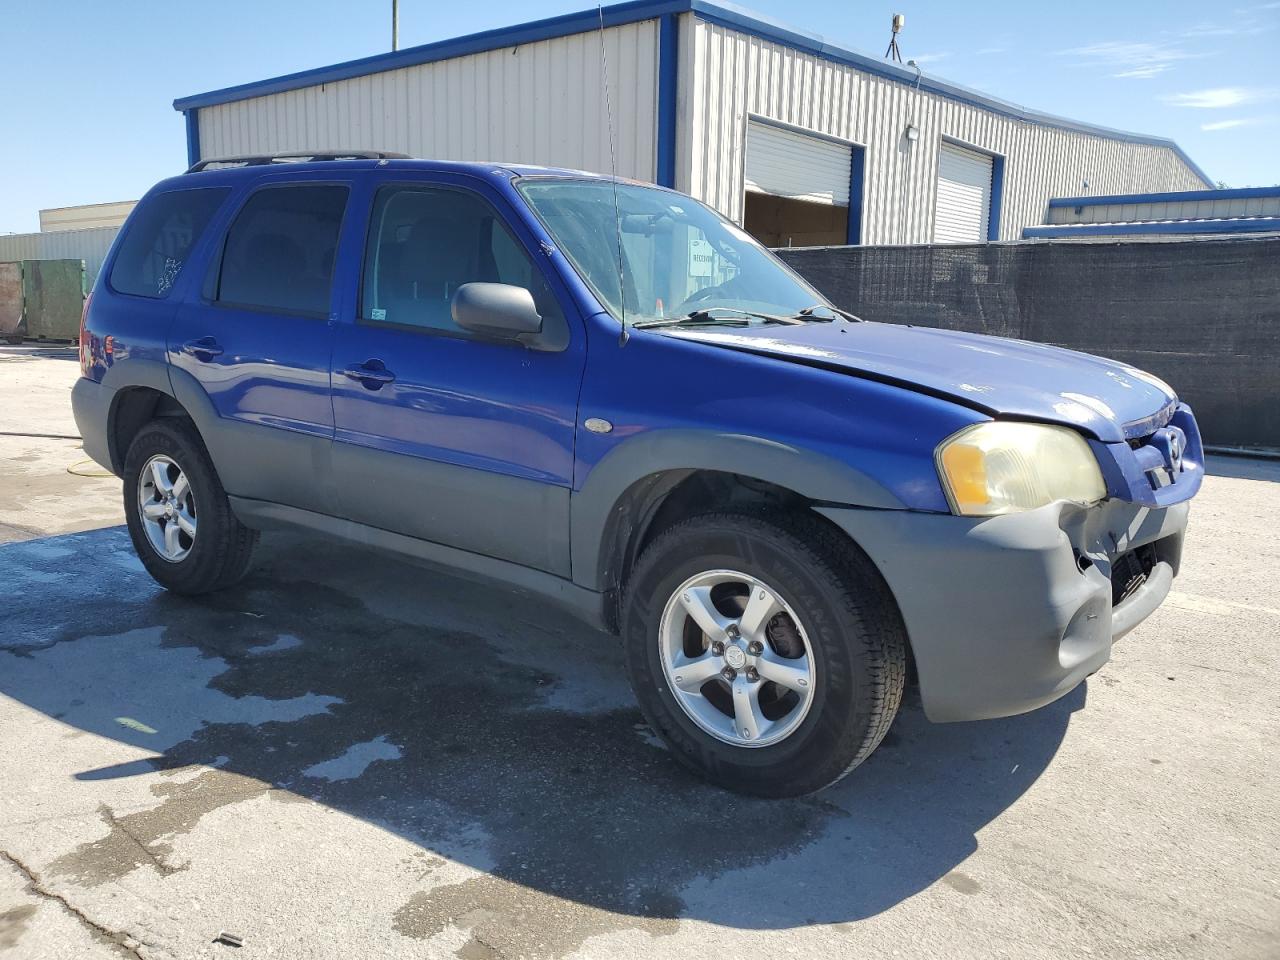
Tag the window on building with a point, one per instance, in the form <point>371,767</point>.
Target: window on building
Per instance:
<point>280,250</point>
<point>426,242</point>
<point>159,239</point>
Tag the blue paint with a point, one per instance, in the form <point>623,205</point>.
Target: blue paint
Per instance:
<point>192,117</point>
<point>997,197</point>
<point>724,14</point>
<point>857,176</point>
<point>1153,228</point>
<point>668,75</point>
<point>1242,193</point>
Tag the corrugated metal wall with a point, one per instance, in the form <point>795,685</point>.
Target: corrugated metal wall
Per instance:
<point>540,103</point>
<point>727,76</point>
<point>1168,210</point>
<point>89,245</point>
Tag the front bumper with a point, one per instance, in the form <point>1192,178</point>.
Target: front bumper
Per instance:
<point>1006,614</point>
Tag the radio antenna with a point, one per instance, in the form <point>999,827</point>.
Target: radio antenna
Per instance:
<point>613,172</point>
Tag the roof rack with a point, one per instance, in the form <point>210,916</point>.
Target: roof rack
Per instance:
<point>305,156</point>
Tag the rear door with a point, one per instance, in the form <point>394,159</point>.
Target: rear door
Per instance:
<point>442,435</point>
<point>256,337</point>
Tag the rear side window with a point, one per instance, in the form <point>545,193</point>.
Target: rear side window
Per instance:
<point>280,250</point>
<point>160,237</point>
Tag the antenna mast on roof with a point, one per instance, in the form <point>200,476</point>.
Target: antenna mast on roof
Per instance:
<point>893,53</point>
<point>395,24</point>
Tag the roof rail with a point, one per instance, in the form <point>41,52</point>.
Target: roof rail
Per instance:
<point>302,156</point>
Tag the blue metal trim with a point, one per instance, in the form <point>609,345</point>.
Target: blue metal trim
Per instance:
<point>550,28</point>
<point>1252,225</point>
<point>997,197</point>
<point>857,173</point>
<point>668,76</point>
<point>1242,193</point>
<point>728,15</point>
<point>192,118</point>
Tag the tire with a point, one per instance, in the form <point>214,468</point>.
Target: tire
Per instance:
<point>220,552</point>
<point>848,622</point>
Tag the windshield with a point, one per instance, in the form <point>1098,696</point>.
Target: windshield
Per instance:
<point>678,256</point>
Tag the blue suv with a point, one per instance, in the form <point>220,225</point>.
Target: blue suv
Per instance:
<point>603,393</point>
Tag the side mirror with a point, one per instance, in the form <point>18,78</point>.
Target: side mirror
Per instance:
<point>498,310</point>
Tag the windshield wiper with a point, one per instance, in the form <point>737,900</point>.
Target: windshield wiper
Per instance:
<point>809,313</point>
<point>709,315</point>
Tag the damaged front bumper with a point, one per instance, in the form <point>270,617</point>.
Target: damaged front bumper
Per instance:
<point>1008,613</point>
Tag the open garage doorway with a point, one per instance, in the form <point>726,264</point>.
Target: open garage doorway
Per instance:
<point>802,189</point>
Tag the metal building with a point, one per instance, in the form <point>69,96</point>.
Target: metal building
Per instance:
<point>86,216</point>
<point>802,141</point>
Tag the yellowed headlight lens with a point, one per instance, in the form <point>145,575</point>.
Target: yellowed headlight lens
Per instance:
<point>998,467</point>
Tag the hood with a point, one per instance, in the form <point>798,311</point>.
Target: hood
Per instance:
<point>1001,378</point>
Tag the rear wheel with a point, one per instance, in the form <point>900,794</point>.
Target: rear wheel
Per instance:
<point>179,518</point>
<point>764,649</point>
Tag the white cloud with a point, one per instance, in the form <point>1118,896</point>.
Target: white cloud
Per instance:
<point>1219,98</point>
<point>924,58</point>
<point>1234,123</point>
<point>1144,72</point>
<point>1132,59</point>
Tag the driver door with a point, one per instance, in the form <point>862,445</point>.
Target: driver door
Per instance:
<point>440,434</point>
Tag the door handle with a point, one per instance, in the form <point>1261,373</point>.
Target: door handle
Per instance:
<point>372,373</point>
<point>205,348</point>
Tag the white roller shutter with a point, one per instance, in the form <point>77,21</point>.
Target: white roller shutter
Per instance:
<point>964,196</point>
<point>784,163</point>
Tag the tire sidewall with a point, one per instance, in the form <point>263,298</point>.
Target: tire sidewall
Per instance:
<point>203,562</point>
<point>814,754</point>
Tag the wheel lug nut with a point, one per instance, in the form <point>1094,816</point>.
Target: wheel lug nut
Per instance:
<point>752,675</point>
<point>717,648</point>
<point>755,648</point>
<point>732,631</point>
<point>729,674</point>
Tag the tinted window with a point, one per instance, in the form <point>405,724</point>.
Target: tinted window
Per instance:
<point>280,250</point>
<point>159,239</point>
<point>425,243</point>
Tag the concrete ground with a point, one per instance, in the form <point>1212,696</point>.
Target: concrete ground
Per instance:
<point>348,756</point>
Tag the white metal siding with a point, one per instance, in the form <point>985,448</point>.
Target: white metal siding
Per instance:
<point>90,245</point>
<point>86,216</point>
<point>788,164</point>
<point>538,103</point>
<point>963,199</point>
<point>730,75</point>
<point>1218,207</point>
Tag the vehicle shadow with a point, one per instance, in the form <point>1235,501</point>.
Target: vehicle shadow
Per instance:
<point>482,726</point>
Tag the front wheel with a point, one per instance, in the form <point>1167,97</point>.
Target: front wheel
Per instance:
<point>764,649</point>
<point>179,518</point>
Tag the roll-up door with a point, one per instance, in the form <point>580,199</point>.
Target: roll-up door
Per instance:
<point>783,163</point>
<point>963,204</point>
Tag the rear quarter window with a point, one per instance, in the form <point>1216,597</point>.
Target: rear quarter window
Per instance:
<point>159,239</point>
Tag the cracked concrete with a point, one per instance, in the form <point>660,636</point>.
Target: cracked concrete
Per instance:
<point>347,755</point>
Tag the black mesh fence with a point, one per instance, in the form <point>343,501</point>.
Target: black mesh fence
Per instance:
<point>1202,314</point>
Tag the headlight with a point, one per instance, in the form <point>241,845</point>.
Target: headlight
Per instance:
<point>1004,467</point>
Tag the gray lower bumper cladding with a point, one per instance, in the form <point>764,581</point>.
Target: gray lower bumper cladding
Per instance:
<point>1006,614</point>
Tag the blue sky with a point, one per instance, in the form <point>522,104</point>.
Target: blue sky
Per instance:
<point>87,85</point>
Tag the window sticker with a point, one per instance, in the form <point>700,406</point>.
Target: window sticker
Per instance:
<point>377,313</point>
<point>701,257</point>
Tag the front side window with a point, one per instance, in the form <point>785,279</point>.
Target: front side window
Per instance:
<point>426,242</point>
<point>280,250</point>
<point>159,239</point>
<point>677,256</point>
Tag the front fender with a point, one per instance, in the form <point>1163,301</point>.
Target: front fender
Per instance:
<point>601,504</point>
